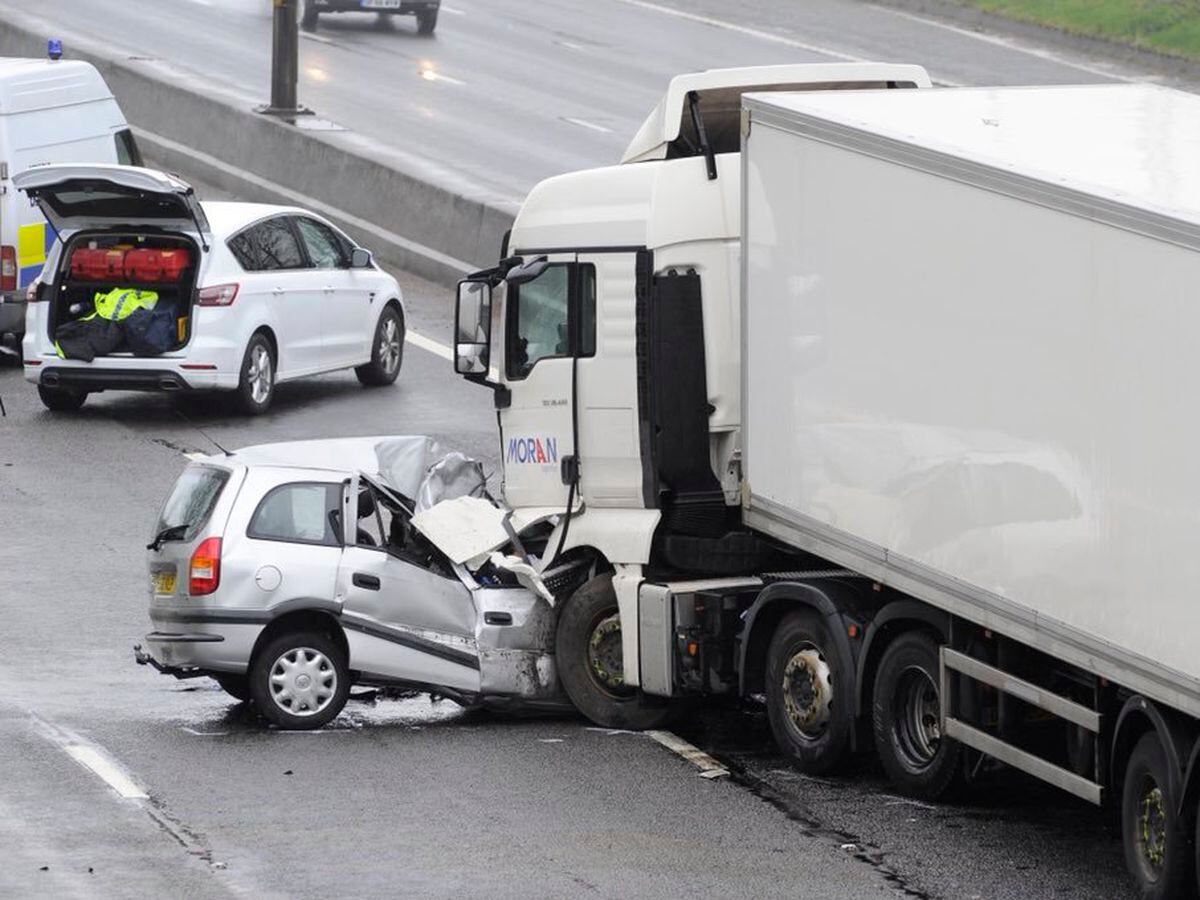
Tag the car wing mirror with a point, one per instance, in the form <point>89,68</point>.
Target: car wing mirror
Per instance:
<point>361,258</point>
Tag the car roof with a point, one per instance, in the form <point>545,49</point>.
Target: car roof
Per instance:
<point>227,217</point>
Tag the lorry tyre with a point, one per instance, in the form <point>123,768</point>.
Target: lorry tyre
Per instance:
<point>809,687</point>
<point>906,716</point>
<point>1156,846</point>
<point>300,681</point>
<point>61,399</point>
<point>256,382</point>
<point>427,22</point>
<point>590,661</point>
<point>236,686</point>
<point>387,351</point>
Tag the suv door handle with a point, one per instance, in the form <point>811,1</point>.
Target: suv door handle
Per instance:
<point>362,580</point>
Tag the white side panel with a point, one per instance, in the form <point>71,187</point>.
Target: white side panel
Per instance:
<point>996,391</point>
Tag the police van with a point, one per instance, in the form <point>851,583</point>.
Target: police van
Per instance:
<point>51,111</point>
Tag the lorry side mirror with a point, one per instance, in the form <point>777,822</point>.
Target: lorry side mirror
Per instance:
<point>473,328</point>
<point>360,258</point>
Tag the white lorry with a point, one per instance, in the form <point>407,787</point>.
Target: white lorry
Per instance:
<point>884,420</point>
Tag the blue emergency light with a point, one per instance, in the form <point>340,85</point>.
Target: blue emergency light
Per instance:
<point>54,48</point>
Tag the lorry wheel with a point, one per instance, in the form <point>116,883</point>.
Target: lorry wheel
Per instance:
<point>236,686</point>
<point>61,399</point>
<point>590,661</point>
<point>256,384</point>
<point>387,351</point>
<point>906,717</point>
<point>1156,846</point>
<point>300,681</point>
<point>427,22</point>
<point>808,693</point>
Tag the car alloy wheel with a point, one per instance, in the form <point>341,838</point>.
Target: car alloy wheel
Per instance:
<point>259,375</point>
<point>389,346</point>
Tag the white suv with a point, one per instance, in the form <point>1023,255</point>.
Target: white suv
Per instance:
<point>245,295</point>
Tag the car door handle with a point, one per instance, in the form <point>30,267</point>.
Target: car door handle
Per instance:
<point>368,582</point>
<point>328,289</point>
<point>276,291</point>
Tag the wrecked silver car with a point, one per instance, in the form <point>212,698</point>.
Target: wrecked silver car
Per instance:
<point>291,572</point>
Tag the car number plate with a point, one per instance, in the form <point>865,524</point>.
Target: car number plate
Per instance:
<point>164,582</point>
<point>381,4</point>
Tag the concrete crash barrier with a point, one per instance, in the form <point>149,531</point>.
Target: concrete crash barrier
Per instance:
<point>410,212</point>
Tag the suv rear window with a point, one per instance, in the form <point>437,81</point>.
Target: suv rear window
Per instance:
<point>192,499</point>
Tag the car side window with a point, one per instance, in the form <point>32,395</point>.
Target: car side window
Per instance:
<point>268,246</point>
<point>324,249</point>
<point>128,153</point>
<point>299,513</point>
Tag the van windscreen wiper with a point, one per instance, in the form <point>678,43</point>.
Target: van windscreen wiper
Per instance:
<point>174,533</point>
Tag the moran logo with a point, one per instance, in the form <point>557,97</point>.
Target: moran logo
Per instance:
<point>532,450</point>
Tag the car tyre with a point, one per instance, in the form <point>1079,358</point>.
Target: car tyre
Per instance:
<point>905,709</point>
<point>589,659</point>
<point>809,687</point>
<point>236,686</point>
<point>427,22</point>
<point>61,399</point>
<point>387,351</point>
<point>1156,843</point>
<point>256,381</point>
<point>308,15</point>
<point>300,681</point>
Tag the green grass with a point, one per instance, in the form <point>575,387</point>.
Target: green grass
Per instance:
<point>1164,26</point>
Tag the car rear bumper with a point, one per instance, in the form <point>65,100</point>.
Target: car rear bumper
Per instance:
<point>113,379</point>
<point>405,7</point>
<point>184,650</point>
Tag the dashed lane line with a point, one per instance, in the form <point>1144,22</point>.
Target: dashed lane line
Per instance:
<point>709,767</point>
<point>429,344</point>
<point>91,756</point>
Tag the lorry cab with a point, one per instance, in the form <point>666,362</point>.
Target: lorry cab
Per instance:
<point>35,130</point>
<point>624,307</point>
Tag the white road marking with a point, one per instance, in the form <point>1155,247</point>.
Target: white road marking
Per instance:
<point>1008,44</point>
<point>106,769</point>
<point>454,11</point>
<point>419,340</point>
<point>91,756</point>
<point>550,740</point>
<point>203,733</point>
<point>319,38</point>
<point>584,123</point>
<point>298,199</point>
<point>434,75</point>
<point>763,35</point>
<point>709,767</point>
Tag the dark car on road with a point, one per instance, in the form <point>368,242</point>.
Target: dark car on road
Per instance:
<point>426,11</point>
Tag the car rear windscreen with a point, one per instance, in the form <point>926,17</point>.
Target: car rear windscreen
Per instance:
<point>192,499</point>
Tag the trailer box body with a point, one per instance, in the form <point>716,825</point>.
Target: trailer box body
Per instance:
<point>971,358</point>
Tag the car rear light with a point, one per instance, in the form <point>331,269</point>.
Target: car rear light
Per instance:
<point>217,295</point>
<point>8,268</point>
<point>204,573</point>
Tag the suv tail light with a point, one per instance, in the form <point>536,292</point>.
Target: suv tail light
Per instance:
<point>217,295</point>
<point>204,572</point>
<point>8,268</point>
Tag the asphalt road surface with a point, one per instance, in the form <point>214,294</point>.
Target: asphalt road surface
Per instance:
<point>416,798</point>
<point>404,798</point>
<point>505,94</point>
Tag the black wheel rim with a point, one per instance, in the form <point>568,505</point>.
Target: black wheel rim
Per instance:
<point>605,659</point>
<point>916,729</point>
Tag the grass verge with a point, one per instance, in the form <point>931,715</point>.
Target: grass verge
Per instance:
<point>1163,26</point>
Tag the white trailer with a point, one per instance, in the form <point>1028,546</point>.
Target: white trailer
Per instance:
<point>914,467</point>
